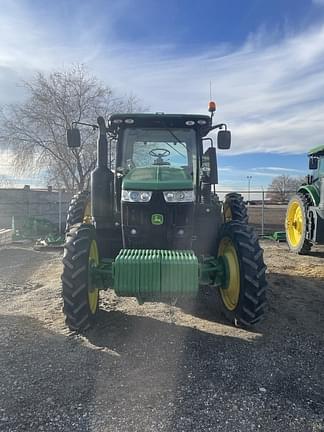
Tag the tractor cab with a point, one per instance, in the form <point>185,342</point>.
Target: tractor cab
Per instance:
<point>160,170</point>
<point>163,140</point>
<point>153,180</point>
<point>316,164</point>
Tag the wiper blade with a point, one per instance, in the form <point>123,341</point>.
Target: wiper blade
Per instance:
<point>177,139</point>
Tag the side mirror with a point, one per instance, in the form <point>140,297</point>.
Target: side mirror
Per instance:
<point>209,166</point>
<point>313,163</point>
<point>73,138</point>
<point>224,140</point>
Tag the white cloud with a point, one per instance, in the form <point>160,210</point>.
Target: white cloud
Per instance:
<point>226,169</point>
<point>279,169</point>
<point>270,94</point>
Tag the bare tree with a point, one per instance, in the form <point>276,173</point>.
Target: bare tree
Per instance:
<point>36,129</point>
<point>283,186</point>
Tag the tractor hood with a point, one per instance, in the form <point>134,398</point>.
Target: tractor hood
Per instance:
<point>157,177</point>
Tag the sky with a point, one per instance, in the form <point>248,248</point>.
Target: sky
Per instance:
<point>265,60</point>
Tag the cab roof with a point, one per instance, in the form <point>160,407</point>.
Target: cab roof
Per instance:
<point>316,151</point>
<point>159,120</point>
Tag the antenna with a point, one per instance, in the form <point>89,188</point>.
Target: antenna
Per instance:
<point>211,104</point>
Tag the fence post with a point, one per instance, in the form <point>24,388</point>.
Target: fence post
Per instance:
<point>60,210</point>
<point>262,217</point>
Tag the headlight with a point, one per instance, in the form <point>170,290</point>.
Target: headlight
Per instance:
<point>136,196</point>
<point>179,196</point>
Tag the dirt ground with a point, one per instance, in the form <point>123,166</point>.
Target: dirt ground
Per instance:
<point>158,367</point>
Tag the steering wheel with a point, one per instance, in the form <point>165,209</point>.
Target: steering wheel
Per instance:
<point>163,153</point>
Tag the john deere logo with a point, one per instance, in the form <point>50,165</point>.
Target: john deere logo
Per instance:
<point>157,219</point>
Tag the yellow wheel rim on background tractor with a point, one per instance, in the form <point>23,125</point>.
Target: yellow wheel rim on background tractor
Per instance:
<point>93,293</point>
<point>295,223</point>
<point>231,293</point>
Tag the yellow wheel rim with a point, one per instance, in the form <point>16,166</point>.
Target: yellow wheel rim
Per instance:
<point>295,223</point>
<point>93,293</point>
<point>87,213</point>
<point>231,293</point>
<point>227,213</point>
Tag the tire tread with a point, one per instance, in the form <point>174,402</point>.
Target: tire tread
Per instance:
<point>78,316</point>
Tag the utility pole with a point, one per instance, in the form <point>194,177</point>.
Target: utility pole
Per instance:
<point>249,178</point>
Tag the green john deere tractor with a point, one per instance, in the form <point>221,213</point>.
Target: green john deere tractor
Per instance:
<point>305,213</point>
<point>156,229</point>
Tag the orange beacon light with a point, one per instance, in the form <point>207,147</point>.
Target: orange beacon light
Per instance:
<point>211,106</point>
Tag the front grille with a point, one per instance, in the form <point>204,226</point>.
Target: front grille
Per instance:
<point>176,216</point>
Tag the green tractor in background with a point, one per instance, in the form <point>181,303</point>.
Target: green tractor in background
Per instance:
<point>305,213</point>
<point>156,229</point>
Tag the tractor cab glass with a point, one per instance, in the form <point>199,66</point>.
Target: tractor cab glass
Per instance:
<point>313,163</point>
<point>159,147</point>
<point>316,166</point>
<point>321,167</point>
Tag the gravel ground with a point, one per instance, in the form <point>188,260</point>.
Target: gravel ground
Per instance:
<point>158,367</point>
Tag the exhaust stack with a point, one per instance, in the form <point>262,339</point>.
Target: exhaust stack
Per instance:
<point>102,180</point>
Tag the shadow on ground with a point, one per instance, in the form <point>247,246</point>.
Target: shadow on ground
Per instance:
<point>316,254</point>
<point>123,376</point>
<point>137,373</point>
<point>193,380</point>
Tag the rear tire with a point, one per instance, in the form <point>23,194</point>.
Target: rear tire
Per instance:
<point>234,208</point>
<point>79,208</point>
<point>296,224</point>
<point>79,298</point>
<point>243,300</point>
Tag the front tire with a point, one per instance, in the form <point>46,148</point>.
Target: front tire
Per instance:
<point>80,298</point>
<point>242,299</point>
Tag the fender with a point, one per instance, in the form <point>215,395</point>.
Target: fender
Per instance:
<point>312,192</point>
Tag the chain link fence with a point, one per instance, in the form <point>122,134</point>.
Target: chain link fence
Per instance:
<point>266,208</point>
<point>266,214</point>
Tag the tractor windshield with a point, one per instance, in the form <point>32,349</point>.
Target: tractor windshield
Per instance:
<point>152,146</point>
